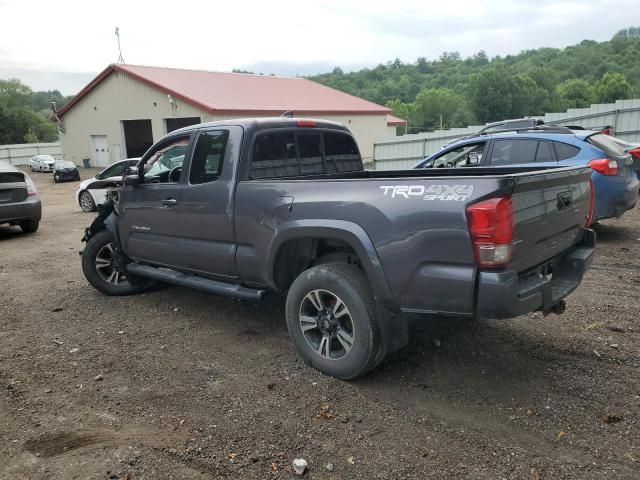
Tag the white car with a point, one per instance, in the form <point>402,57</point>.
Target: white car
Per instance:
<point>41,163</point>
<point>93,191</point>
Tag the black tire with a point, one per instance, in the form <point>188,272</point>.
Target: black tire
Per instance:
<point>30,226</point>
<point>105,280</point>
<point>86,202</point>
<point>348,285</point>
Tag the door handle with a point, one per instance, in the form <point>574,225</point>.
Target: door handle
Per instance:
<point>169,202</point>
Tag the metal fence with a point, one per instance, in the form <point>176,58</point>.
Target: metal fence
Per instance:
<point>20,154</point>
<point>403,152</point>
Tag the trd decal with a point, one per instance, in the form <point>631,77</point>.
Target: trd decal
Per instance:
<point>455,193</point>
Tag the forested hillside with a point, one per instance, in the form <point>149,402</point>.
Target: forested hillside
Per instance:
<point>25,114</point>
<point>479,89</point>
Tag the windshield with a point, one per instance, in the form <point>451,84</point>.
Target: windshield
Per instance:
<point>65,164</point>
<point>45,158</point>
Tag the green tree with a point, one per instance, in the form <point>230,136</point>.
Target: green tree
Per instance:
<point>575,93</point>
<point>435,105</point>
<point>512,93</point>
<point>31,136</point>
<point>24,115</point>
<point>613,86</point>
<point>490,94</point>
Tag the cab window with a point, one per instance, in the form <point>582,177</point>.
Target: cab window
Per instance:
<point>164,163</point>
<point>208,154</point>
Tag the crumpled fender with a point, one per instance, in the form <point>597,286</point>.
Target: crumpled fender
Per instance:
<point>106,218</point>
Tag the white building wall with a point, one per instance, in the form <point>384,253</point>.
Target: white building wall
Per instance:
<point>121,97</point>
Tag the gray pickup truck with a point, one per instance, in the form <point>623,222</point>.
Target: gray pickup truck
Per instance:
<point>248,206</point>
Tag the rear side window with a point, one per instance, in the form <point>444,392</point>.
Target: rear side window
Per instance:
<point>208,154</point>
<point>299,153</point>
<point>606,144</point>
<point>512,152</point>
<point>545,153</point>
<point>564,150</point>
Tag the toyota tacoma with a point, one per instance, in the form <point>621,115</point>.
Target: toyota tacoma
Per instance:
<point>244,207</point>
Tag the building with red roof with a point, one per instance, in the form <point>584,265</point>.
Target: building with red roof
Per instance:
<point>126,108</point>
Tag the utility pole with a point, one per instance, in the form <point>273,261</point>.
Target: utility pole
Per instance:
<point>120,58</point>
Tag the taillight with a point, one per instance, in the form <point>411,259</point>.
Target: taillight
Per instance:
<point>491,224</point>
<point>635,152</point>
<point>31,187</point>
<point>604,166</point>
<point>592,203</point>
<point>306,123</point>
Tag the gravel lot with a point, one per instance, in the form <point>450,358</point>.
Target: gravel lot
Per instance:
<point>179,384</point>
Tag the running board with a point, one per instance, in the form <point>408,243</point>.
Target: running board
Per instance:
<point>195,282</point>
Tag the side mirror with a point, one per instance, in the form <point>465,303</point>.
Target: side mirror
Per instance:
<point>132,180</point>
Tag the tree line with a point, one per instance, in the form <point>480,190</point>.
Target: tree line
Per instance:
<point>25,115</point>
<point>455,92</point>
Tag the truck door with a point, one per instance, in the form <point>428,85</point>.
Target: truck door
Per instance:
<point>148,221</point>
<point>206,208</point>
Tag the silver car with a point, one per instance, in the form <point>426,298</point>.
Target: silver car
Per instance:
<point>41,163</point>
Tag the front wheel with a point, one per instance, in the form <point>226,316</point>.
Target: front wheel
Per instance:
<point>104,270</point>
<point>86,202</point>
<point>331,317</point>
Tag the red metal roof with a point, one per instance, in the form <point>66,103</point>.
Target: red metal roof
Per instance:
<point>239,92</point>
<point>392,120</point>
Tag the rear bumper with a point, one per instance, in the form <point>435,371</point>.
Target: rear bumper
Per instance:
<point>614,196</point>
<point>62,176</point>
<point>30,209</point>
<point>509,294</point>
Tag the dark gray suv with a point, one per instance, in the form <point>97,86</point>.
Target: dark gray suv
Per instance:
<point>19,202</point>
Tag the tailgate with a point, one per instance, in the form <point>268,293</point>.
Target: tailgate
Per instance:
<point>550,213</point>
<point>12,187</point>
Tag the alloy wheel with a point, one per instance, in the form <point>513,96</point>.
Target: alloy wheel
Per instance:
<point>326,324</point>
<point>108,266</point>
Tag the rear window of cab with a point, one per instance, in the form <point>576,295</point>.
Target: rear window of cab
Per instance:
<point>292,153</point>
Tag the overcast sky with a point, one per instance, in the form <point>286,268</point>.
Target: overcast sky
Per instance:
<point>62,44</point>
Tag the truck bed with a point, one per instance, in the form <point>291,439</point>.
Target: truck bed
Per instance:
<point>417,222</point>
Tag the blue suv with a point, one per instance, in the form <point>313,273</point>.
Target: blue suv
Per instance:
<point>615,181</point>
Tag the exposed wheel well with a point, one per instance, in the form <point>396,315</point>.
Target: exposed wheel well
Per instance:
<point>297,255</point>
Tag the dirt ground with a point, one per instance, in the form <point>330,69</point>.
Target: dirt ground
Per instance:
<point>178,384</point>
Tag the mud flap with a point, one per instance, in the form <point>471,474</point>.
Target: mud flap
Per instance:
<point>394,329</point>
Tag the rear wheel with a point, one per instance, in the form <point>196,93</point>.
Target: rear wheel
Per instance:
<point>331,318</point>
<point>86,202</point>
<point>29,226</point>
<point>104,270</point>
